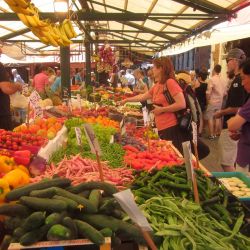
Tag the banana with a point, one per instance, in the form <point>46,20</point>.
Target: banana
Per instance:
<point>22,3</point>
<point>52,41</point>
<point>40,35</point>
<point>67,29</point>
<point>32,21</point>
<point>11,2</point>
<point>17,9</point>
<point>71,28</point>
<point>23,18</point>
<point>63,35</point>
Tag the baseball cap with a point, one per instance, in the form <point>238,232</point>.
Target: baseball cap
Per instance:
<point>184,76</point>
<point>236,53</point>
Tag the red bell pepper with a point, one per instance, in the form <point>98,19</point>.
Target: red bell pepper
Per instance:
<point>22,157</point>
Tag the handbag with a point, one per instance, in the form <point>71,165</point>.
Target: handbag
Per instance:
<point>184,116</point>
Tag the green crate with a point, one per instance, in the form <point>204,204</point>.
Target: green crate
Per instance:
<point>239,175</point>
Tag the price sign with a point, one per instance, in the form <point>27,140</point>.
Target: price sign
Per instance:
<point>79,101</point>
<point>78,136</point>
<point>195,134</point>
<point>92,140</point>
<point>112,139</point>
<point>34,102</point>
<point>122,127</point>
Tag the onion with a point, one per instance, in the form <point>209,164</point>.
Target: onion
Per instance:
<point>37,166</point>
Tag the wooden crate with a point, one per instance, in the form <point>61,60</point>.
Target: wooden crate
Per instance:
<point>63,243</point>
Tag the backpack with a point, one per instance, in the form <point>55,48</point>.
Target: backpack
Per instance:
<point>192,112</point>
<point>192,103</point>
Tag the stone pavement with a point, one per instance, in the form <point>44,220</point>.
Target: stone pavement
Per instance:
<point>211,162</point>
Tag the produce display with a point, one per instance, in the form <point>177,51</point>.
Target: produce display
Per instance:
<point>53,210</point>
<point>62,197</point>
<point>20,140</point>
<point>236,186</point>
<point>45,128</point>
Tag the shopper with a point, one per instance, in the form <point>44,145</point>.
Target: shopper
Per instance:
<point>16,76</point>
<point>215,92</point>
<point>165,117</point>
<point>79,77</point>
<point>56,86</point>
<point>6,88</point>
<point>40,80</point>
<point>140,85</point>
<point>239,125</point>
<point>235,99</point>
<point>200,89</point>
<point>130,79</point>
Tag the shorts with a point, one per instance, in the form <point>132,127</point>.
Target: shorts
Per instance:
<point>227,149</point>
<point>211,110</point>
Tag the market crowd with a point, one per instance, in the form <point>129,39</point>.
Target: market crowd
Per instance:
<point>217,105</point>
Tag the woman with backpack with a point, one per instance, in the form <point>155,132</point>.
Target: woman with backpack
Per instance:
<point>165,118</point>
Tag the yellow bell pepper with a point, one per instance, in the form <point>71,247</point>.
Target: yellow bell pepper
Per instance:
<point>4,189</point>
<point>6,164</point>
<point>17,178</point>
<point>23,168</point>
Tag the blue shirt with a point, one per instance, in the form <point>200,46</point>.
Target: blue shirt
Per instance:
<point>56,85</point>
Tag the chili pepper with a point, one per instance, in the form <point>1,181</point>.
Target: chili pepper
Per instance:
<point>4,189</point>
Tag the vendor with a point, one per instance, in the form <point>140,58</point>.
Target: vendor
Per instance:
<point>6,88</point>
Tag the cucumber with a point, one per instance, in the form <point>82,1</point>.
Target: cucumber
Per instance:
<point>15,194</point>
<point>89,232</point>
<point>87,205</point>
<point>6,242</point>
<point>106,187</point>
<point>44,193</point>
<point>94,197</point>
<point>54,218</point>
<point>106,232</point>
<point>70,224</point>
<point>11,223</point>
<point>34,221</point>
<point>44,204</point>
<point>34,236</point>
<point>72,205</point>
<point>85,194</point>
<point>19,232</point>
<point>59,232</point>
<point>14,210</point>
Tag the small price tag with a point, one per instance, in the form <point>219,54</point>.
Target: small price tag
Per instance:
<point>78,136</point>
<point>145,116</point>
<point>127,202</point>
<point>79,101</point>
<point>112,139</point>
<point>195,133</point>
<point>188,159</point>
<point>92,140</point>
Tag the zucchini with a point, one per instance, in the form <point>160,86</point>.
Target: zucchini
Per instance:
<point>94,197</point>
<point>106,187</point>
<point>106,232</point>
<point>14,210</point>
<point>89,232</point>
<point>34,221</point>
<point>34,236</point>
<point>44,204</point>
<point>87,205</point>
<point>15,194</point>
<point>70,224</point>
<point>103,221</point>
<point>85,194</point>
<point>72,205</point>
<point>44,193</point>
<point>6,242</point>
<point>54,218</point>
<point>59,232</point>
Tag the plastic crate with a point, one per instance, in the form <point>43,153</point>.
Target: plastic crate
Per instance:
<point>239,175</point>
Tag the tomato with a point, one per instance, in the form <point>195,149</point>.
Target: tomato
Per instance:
<point>8,143</point>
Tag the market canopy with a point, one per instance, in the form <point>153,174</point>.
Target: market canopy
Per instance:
<point>146,26</point>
